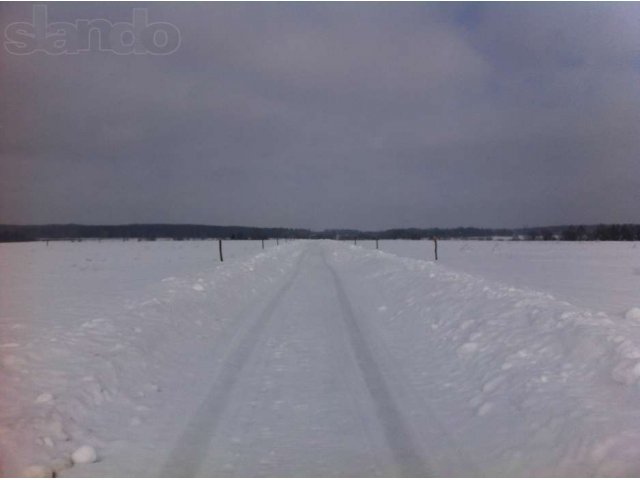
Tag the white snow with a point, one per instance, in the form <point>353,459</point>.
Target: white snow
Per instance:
<point>44,398</point>
<point>468,348</point>
<point>37,471</point>
<point>58,465</point>
<point>319,358</point>
<point>600,276</point>
<point>633,314</point>
<point>84,454</point>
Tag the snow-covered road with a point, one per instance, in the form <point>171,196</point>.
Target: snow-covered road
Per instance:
<point>319,358</point>
<point>302,391</point>
<point>303,387</point>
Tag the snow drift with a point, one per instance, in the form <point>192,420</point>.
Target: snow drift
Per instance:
<point>97,346</point>
<point>528,385</point>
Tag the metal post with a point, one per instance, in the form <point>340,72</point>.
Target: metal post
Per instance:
<point>376,244</point>
<point>263,243</point>
<point>220,248</point>
<point>435,247</point>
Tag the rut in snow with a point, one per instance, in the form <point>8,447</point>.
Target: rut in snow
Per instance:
<point>405,450</point>
<point>308,343</point>
<point>193,446</point>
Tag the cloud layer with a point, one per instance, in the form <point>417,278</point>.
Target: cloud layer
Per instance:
<point>331,115</point>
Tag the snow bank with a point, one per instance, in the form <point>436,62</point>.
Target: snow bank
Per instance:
<point>95,340</point>
<point>526,384</point>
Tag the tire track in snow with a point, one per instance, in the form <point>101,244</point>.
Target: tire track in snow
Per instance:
<point>443,452</point>
<point>405,449</point>
<point>351,382</point>
<point>193,446</point>
<point>310,364</point>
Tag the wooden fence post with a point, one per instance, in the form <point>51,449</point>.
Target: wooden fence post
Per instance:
<point>277,242</point>
<point>220,248</point>
<point>263,243</point>
<point>435,247</point>
<point>355,241</point>
<point>376,244</point>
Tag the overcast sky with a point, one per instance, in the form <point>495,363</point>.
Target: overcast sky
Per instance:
<point>308,115</point>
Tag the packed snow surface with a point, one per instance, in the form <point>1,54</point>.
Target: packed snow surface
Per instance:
<point>317,358</point>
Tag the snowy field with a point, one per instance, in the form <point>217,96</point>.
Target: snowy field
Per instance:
<point>601,276</point>
<point>319,358</point>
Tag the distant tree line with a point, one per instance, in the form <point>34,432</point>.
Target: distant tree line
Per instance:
<point>616,232</point>
<point>20,233</point>
<point>415,233</point>
<point>25,233</point>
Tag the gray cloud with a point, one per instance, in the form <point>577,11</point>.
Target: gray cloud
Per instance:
<point>331,115</point>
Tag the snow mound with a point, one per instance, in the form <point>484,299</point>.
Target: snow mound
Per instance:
<point>633,314</point>
<point>84,454</point>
